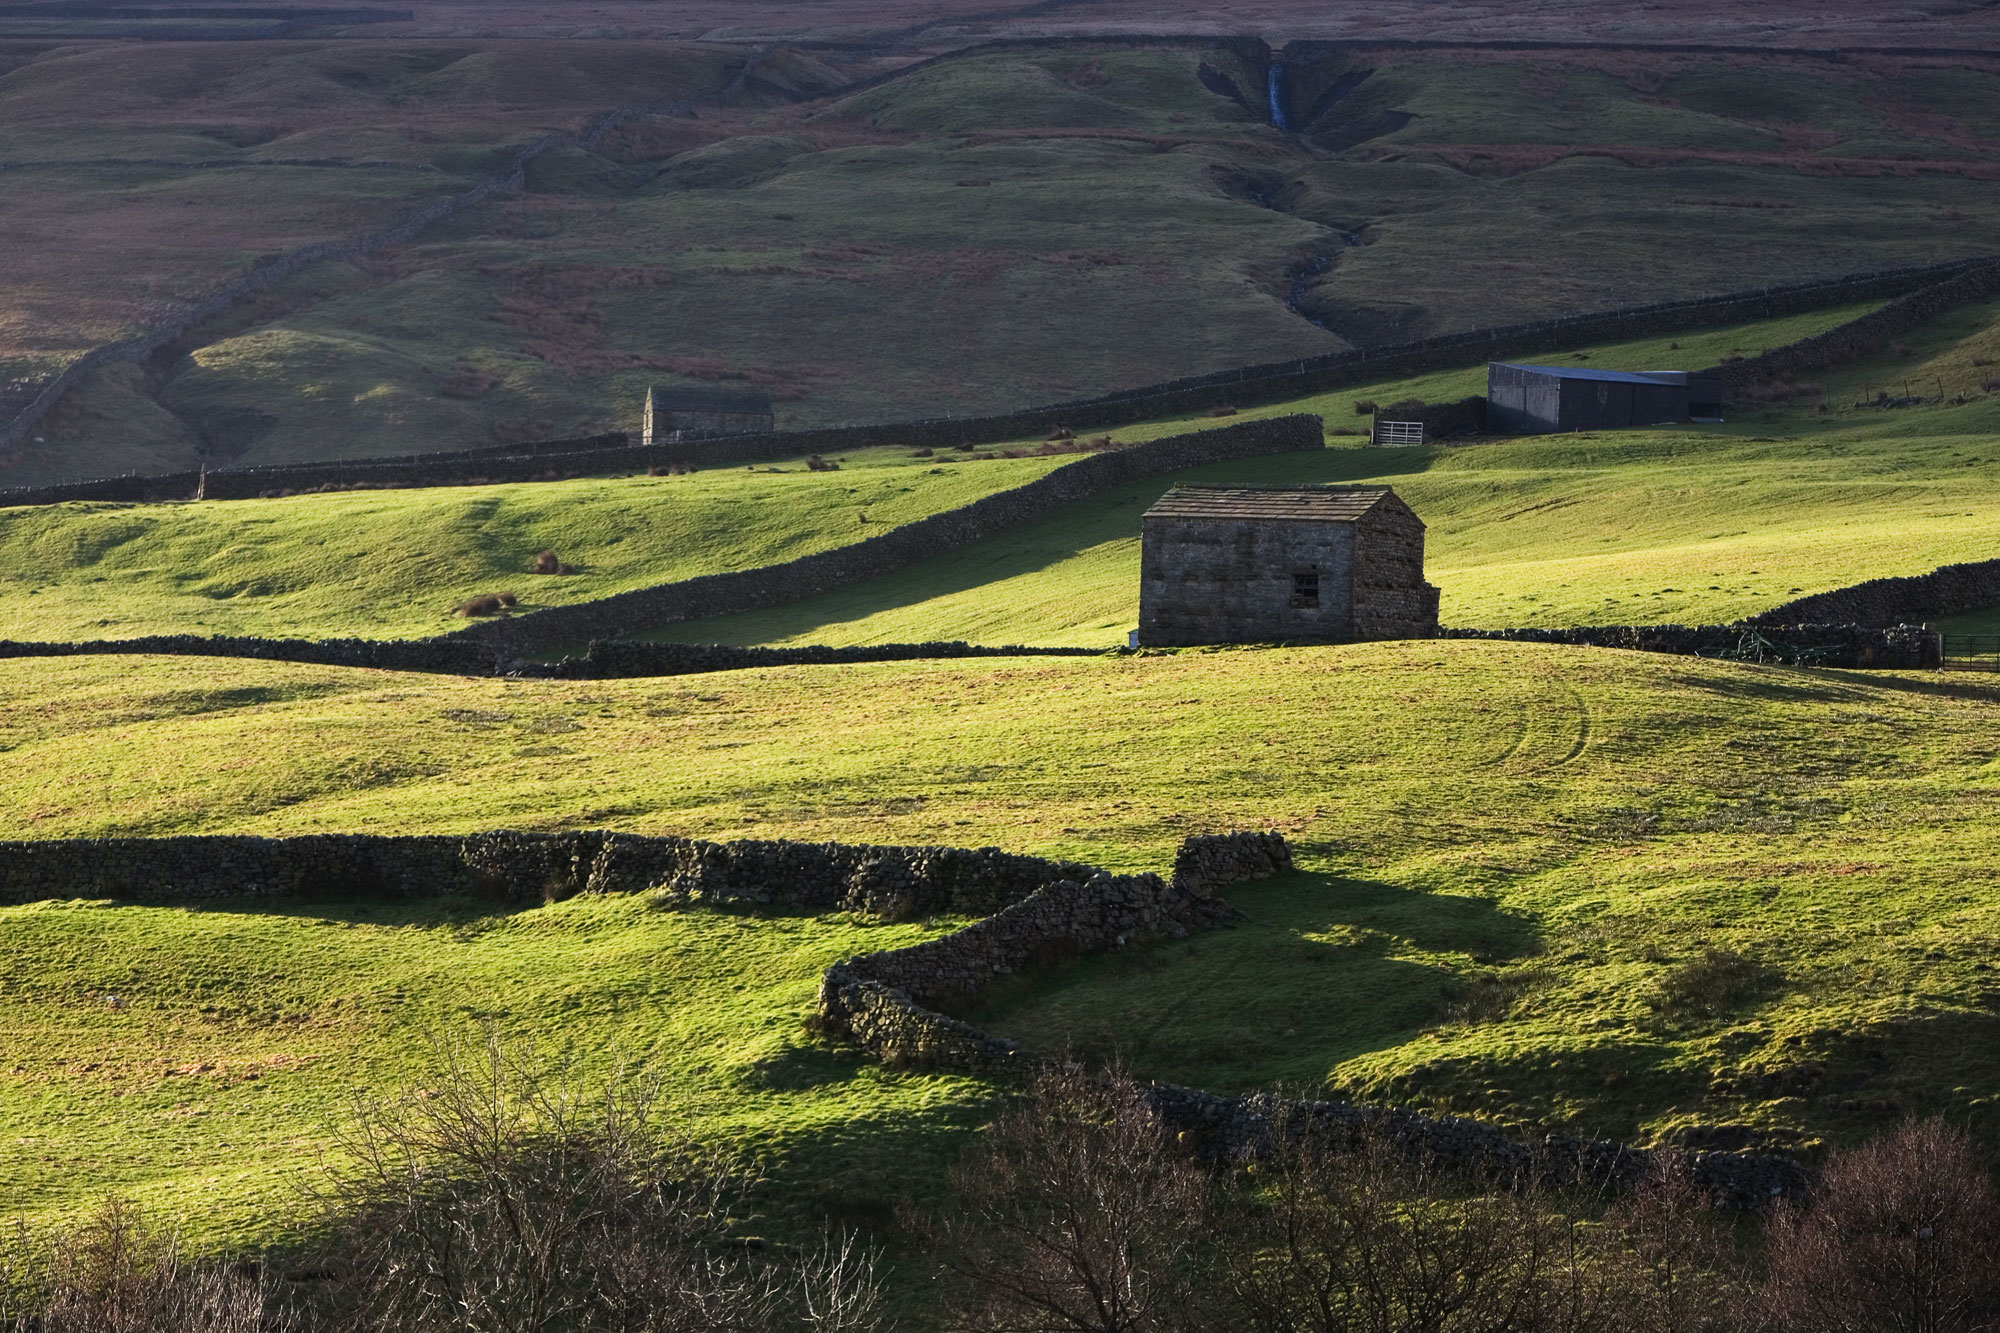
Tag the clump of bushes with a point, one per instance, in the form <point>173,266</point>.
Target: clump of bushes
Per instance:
<point>548,562</point>
<point>1079,1210</point>
<point>1365,407</point>
<point>814,463</point>
<point>509,1195</point>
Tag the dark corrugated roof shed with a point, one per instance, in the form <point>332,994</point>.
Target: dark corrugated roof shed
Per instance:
<point>674,398</point>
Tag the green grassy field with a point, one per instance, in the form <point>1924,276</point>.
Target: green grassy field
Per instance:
<point>395,563</point>
<point>1002,228</point>
<point>1518,529</point>
<point>1514,859</point>
<point>1704,524</point>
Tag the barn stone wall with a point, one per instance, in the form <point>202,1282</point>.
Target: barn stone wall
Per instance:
<point>1206,580</point>
<point>1221,580</point>
<point>1391,599</point>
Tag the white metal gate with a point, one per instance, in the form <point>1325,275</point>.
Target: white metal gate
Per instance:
<point>1399,432</point>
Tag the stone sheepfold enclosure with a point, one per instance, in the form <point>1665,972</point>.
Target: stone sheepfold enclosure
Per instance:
<point>1033,914</point>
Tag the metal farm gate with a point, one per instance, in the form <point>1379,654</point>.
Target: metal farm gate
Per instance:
<point>1399,432</point>
<point>1969,652</point>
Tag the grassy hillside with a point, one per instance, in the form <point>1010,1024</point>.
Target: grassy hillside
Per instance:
<point>1516,861</point>
<point>1701,524</point>
<point>395,563</point>
<point>1002,228</point>
<point>195,1061</point>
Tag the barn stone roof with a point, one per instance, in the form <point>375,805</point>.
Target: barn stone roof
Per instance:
<point>1310,504</point>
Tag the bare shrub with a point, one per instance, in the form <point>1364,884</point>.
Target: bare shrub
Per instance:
<point>507,1198</point>
<point>814,463</point>
<point>1674,1260</point>
<point>1359,1236</point>
<point>548,562</point>
<point>1364,407</point>
<point>118,1273</point>
<point>1902,1236</point>
<point>1077,1211</point>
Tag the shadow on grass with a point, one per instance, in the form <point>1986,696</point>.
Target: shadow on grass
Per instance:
<point>1319,971</point>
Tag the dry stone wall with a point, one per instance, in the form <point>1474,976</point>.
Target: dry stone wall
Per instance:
<point>1859,337</point>
<point>461,657</point>
<point>892,882</point>
<point>1898,648</point>
<point>1946,591</point>
<point>889,1002</point>
<point>1033,911</point>
<point>1236,1128</point>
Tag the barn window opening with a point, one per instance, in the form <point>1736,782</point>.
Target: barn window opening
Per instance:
<point>1305,589</point>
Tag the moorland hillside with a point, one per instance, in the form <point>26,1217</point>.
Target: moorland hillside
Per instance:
<point>990,230</point>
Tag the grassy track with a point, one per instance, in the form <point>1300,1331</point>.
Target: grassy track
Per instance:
<point>395,563</point>
<point>1703,524</point>
<point>1512,853</point>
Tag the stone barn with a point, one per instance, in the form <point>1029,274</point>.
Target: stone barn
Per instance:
<point>1254,564</point>
<point>670,412</point>
<point>1537,400</point>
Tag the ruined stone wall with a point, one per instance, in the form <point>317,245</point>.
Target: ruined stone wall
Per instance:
<point>1035,913</point>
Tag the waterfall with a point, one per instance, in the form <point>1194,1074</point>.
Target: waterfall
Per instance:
<point>1274,91</point>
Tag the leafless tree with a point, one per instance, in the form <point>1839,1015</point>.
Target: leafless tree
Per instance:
<point>1354,1234</point>
<point>1077,1213</point>
<point>1676,1265</point>
<point>1902,1235</point>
